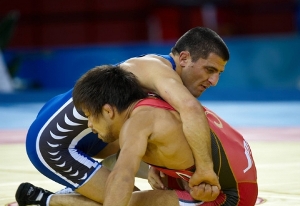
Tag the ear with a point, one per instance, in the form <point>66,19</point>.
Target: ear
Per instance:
<point>108,111</point>
<point>184,57</point>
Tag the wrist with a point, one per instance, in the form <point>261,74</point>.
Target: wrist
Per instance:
<point>204,166</point>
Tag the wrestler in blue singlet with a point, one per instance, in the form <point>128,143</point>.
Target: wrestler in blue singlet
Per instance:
<point>61,146</point>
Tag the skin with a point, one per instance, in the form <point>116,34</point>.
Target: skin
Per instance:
<point>199,76</point>
<point>145,198</point>
<point>157,143</point>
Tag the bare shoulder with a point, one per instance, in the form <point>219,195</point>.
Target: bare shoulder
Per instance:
<point>137,117</point>
<point>151,71</point>
<point>147,63</point>
<point>155,118</point>
<point>139,125</point>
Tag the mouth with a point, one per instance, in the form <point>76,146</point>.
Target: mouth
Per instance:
<point>203,87</point>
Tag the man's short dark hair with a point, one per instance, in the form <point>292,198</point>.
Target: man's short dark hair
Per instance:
<point>200,42</point>
<point>107,84</point>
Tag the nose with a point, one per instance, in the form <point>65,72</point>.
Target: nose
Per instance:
<point>213,79</point>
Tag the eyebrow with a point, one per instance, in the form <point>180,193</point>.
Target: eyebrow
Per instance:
<point>214,68</point>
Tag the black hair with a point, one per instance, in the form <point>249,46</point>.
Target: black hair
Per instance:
<point>200,42</point>
<point>106,84</point>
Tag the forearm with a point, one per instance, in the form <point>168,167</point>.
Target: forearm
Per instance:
<point>197,132</point>
<point>195,128</point>
<point>195,124</point>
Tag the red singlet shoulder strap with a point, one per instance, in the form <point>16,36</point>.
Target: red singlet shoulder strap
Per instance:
<point>154,102</point>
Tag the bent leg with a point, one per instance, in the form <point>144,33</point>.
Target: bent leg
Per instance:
<point>71,199</point>
<point>90,193</point>
<point>154,197</point>
<point>140,198</point>
<point>95,186</point>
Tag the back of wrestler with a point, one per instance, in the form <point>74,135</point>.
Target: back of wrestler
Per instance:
<point>168,151</point>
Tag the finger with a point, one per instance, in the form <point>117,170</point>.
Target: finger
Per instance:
<point>205,192</point>
<point>156,182</point>
<point>200,192</point>
<point>195,180</point>
<point>197,190</point>
<point>199,177</point>
<point>215,191</point>
<point>156,186</point>
<point>208,188</point>
<point>153,183</point>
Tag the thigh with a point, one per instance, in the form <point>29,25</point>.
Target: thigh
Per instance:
<point>60,145</point>
<point>154,198</point>
<point>94,187</point>
<point>69,167</point>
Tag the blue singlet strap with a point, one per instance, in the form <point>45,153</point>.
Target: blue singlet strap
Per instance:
<point>170,59</point>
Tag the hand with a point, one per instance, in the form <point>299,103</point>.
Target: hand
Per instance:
<point>207,176</point>
<point>204,192</point>
<point>155,179</point>
<point>204,185</point>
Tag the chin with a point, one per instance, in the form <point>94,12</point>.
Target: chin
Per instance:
<point>198,94</point>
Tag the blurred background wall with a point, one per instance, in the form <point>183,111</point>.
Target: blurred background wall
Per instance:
<point>48,44</point>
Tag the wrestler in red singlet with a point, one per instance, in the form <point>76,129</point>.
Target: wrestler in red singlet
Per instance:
<point>233,163</point>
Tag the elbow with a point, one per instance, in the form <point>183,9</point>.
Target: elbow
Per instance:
<point>192,105</point>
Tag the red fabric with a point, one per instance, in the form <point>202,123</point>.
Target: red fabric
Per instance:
<point>154,102</point>
<point>248,193</point>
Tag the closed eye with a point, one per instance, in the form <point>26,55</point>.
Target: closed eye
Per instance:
<point>212,70</point>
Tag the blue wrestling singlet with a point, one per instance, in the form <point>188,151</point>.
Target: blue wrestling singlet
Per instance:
<point>60,145</point>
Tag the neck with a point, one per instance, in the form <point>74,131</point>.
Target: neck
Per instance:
<point>121,118</point>
<point>126,114</point>
<point>176,59</point>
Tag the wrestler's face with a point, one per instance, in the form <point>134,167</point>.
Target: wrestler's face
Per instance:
<point>200,75</point>
<point>101,126</point>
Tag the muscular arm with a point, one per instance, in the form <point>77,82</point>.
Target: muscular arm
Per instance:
<point>196,130</point>
<point>160,78</point>
<point>120,183</point>
<point>195,125</point>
